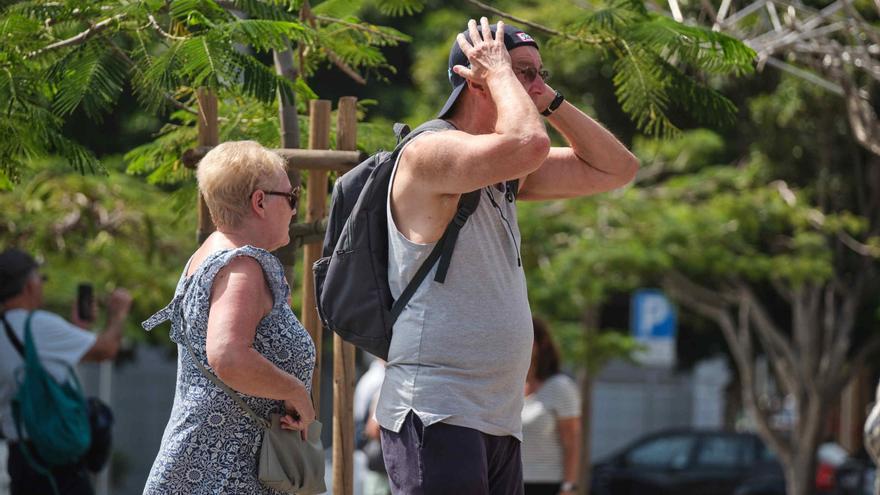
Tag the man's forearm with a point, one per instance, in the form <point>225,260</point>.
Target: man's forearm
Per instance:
<point>516,111</point>
<point>591,142</point>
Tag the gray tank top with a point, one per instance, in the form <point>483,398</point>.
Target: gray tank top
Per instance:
<point>461,349</point>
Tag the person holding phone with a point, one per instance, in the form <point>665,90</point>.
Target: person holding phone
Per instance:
<point>231,308</point>
<point>60,344</point>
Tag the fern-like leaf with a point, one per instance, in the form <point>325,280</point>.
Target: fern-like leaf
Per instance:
<point>91,77</point>
<point>265,34</point>
<point>400,7</point>
<point>642,87</point>
<point>699,47</point>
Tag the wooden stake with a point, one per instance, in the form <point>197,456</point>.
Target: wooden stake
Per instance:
<point>319,138</point>
<point>209,135</point>
<point>289,127</point>
<point>343,352</point>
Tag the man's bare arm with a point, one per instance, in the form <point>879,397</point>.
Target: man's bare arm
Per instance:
<point>457,162</point>
<point>595,162</point>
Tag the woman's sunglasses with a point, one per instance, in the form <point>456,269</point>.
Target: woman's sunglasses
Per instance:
<point>292,196</point>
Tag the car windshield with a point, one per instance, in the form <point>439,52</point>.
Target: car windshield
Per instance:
<point>662,453</point>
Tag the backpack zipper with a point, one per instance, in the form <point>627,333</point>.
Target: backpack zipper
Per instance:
<point>506,224</point>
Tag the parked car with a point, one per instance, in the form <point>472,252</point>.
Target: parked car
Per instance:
<point>682,462</point>
<point>837,473</point>
<point>855,477</point>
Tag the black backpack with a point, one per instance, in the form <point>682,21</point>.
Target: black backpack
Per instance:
<point>351,280</point>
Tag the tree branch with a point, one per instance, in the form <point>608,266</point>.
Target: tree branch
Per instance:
<point>306,15</point>
<point>360,27</point>
<point>161,31</point>
<point>536,26</point>
<point>779,352</point>
<point>837,355</point>
<point>79,38</point>
<point>345,68</point>
<point>522,21</point>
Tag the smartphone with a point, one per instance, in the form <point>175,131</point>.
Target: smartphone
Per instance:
<point>85,301</point>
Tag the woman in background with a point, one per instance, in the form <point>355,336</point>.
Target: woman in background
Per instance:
<point>551,422</point>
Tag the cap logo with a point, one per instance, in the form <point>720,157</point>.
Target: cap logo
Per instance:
<point>523,36</point>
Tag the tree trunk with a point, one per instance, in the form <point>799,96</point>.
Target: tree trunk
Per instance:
<point>800,475</point>
<point>586,428</point>
<point>591,324</point>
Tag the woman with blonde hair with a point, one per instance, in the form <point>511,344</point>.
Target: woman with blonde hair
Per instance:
<point>230,312</point>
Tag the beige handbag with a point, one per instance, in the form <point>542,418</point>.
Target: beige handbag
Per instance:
<point>287,463</point>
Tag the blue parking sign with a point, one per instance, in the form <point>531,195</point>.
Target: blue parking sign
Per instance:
<point>652,316</point>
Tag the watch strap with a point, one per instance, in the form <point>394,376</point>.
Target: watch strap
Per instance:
<point>557,101</point>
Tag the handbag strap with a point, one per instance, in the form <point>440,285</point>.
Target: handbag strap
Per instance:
<point>12,337</point>
<point>234,396</point>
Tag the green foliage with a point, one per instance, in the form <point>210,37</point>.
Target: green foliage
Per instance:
<point>654,55</point>
<point>719,224</point>
<point>113,231</point>
<point>590,349</point>
<point>57,58</point>
<point>92,77</point>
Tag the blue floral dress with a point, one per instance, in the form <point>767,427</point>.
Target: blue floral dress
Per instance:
<point>210,445</point>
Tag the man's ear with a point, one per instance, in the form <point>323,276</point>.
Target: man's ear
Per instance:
<point>477,88</point>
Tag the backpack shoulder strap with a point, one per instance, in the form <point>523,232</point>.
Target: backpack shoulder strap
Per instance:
<point>400,131</point>
<point>404,135</point>
<point>467,205</point>
<point>12,337</point>
<point>442,251</point>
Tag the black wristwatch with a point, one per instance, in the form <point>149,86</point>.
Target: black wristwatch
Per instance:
<point>553,104</point>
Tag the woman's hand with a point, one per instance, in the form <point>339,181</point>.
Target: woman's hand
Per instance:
<point>300,414</point>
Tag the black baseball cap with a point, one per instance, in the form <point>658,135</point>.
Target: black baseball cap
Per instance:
<point>514,37</point>
<point>15,266</point>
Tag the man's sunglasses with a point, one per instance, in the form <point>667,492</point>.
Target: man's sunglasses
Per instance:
<point>292,196</point>
<point>529,74</point>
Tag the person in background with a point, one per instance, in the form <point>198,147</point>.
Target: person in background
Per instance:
<point>60,344</point>
<point>366,395</point>
<point>230,312</point>
<point>551,418</point>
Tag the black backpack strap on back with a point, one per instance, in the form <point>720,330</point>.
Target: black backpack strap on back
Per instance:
<point>442,251</point>
<point>12,338</point>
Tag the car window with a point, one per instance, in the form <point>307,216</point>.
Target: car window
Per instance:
<point>765,454</point>
<point>723,452</point>
<point>662,453</point>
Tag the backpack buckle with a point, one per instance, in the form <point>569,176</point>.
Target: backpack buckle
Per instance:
<point>460,217</point>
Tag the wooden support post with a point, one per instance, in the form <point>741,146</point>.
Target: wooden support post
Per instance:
<point>316,187</point>
<point>289,127</point>
<point>343,352</point>
<point>209,135</point>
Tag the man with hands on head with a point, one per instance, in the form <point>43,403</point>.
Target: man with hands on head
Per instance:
<point>450,405</point>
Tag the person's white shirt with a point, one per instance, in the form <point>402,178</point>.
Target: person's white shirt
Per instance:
<point>368,388</point>
<point>60,346</point>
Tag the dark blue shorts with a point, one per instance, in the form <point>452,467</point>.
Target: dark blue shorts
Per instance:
<point>444,459</point>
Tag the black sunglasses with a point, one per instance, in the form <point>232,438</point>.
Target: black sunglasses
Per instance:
<point>292,196</point>
<point>530,73</point>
